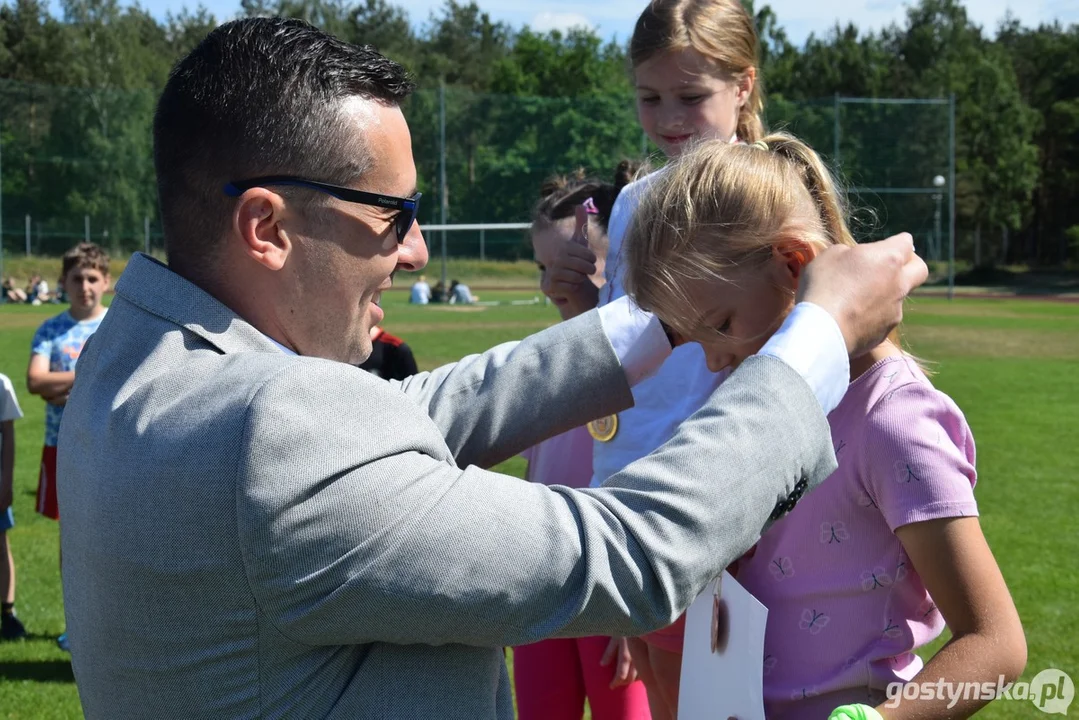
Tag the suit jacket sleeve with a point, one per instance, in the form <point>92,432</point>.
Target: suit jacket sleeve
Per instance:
<point>488,407</point>
<point>357,525</point>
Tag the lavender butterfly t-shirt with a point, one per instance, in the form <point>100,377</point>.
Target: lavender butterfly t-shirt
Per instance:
<point>845,607</point>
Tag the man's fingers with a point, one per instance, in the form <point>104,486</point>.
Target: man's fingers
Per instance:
<point>915,272</point>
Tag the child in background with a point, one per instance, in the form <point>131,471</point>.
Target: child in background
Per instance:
<point>55,350</point>
<point>391,358</point>
<point>871,565</point>
<point>420,294</point>
<point>553,678</point>
<point>10,627</point>
<point>461,294</point>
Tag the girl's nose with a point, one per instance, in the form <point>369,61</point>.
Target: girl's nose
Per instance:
<point>717,360</point>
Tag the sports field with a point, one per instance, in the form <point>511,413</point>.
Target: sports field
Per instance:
<point>1012,365</point>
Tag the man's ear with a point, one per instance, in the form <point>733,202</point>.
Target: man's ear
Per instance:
<point>256,224</point>
<point>793,254</point>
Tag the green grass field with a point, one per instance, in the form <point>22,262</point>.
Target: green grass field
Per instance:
<point>1011,365</point>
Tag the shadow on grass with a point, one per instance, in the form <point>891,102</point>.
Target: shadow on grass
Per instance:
<point>43,671</point>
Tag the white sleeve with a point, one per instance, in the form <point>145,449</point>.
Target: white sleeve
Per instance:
<point>636,336</point>
<point>9,403</point>
<point>810,342</point>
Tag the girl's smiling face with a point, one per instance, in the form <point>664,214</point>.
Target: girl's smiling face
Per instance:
<point>681,97</point>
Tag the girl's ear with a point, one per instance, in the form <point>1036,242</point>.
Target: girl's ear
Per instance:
<point>792,256</point>
<point>745,85</point>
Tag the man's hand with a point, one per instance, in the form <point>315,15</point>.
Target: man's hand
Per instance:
<point>569,277</point>
<point>863,287</point>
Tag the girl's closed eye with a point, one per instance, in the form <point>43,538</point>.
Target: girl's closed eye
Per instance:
<point>694,99</point>
<point>724,327</point>
<point>649,99</point>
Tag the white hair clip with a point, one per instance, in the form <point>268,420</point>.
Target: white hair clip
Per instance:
<point>761,144</point>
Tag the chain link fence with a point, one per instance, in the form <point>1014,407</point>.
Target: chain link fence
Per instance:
<point>76,163</point>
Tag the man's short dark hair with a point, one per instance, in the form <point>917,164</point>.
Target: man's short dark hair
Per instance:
<point>259,96</point>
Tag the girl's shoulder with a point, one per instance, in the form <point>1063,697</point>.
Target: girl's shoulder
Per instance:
<point>895,406</point>
<point>899,378</point>
<point>894,400</point>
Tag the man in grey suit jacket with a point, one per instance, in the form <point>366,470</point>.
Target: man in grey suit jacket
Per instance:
<point>255,528</point>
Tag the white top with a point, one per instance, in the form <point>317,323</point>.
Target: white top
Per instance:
<point>421,294</point>
<point>9,405</point>
<point>809,341</point>
<point>461,294</point>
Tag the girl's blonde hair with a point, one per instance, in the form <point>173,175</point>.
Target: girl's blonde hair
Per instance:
<point>720,30</point>
<point>720,209</point>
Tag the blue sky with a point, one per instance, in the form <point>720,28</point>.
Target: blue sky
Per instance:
<point>616,17</point>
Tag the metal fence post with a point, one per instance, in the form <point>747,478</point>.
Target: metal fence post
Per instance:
<point>442,169</point>
<point>1,196</point>
<point>951,198</point>
<point>27,236</point>
<point>483,255</point>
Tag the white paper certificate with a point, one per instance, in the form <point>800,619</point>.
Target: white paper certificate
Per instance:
<point>723,655</point>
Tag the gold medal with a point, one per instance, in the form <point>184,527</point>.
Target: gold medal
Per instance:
<point>604,429</point>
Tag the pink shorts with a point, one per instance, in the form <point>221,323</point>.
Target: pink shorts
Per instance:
<point>669,638</point>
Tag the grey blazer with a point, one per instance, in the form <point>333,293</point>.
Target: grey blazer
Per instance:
<point>252,534</point>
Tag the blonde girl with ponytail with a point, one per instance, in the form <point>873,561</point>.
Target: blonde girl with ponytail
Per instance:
<point>888,550</point>
<point>695,74</point>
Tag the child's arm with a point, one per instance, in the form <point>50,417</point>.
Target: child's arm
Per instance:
<point>960,573</point>
<point>53,387</point>
<point>7,464</point>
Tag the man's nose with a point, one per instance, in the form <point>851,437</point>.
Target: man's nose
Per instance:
<point>412,253</point>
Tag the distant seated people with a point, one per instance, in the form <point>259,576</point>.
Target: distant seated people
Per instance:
<point>391,358</point>
<point>38,291</point>
<point>13,294</point>
<point>438,295</point>
<point>421,292</point>
<point>460,294</point>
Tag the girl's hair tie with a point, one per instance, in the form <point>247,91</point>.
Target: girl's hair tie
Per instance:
<point>761,144</point>
<point>590,207</point>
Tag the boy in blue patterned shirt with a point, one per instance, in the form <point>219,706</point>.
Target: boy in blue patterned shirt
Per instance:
<point>56,348</point>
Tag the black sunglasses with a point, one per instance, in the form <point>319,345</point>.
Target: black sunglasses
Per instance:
<point>403,223</point>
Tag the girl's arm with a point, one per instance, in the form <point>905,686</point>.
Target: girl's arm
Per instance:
<point>51,386</point>
<point>960,573</point>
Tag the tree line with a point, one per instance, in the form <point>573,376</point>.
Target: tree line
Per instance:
<point>514,105</point>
